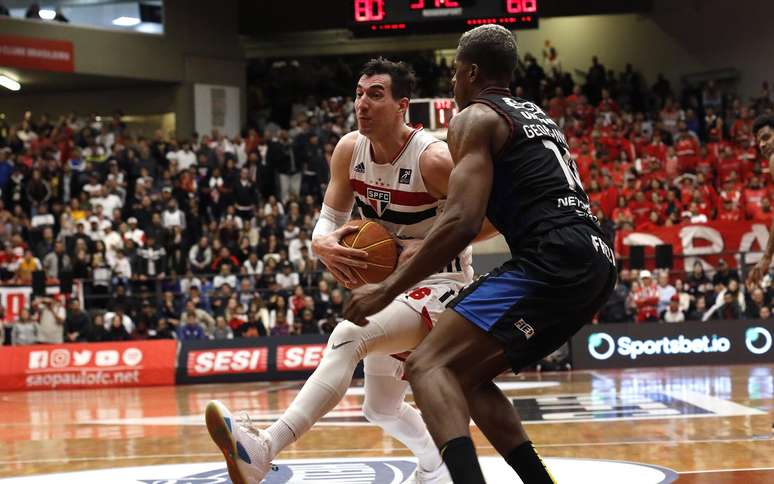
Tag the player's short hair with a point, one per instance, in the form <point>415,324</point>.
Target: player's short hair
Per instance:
<point>761,122</point>
<point>493,48</point>
<point>401,75</point>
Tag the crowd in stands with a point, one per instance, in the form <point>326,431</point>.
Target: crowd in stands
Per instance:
<point>209,236</point>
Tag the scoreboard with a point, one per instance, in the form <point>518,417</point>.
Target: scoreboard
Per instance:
<point>403,17</point>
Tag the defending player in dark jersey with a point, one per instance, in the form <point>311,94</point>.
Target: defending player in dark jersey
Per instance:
<point>511,165</point>
<point>763,130</point>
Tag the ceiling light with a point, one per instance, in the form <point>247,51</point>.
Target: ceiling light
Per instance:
<point>126,21</point>
<point>9,83</point>
<point>47,14</point>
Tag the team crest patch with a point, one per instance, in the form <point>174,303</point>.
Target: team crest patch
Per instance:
<point>404,176</point>
<point>379,199</point>
<point>360,168</point>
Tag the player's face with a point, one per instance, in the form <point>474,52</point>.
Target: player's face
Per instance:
<point>374,105</point>
<point>461,83</point>
<point>765,140</point>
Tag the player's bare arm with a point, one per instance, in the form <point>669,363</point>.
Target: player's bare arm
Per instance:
<point>436,164</point>
<point>472,136</point>
<point>338,196</point>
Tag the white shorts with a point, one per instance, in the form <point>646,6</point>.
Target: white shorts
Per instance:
<point>430,297</point>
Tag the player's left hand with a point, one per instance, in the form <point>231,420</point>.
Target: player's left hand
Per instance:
<point>408,247</point>
<point>366,300</point>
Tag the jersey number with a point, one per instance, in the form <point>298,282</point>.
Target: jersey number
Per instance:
<point>567,164</point>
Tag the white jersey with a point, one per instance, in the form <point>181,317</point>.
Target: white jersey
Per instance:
<point>395,194</point>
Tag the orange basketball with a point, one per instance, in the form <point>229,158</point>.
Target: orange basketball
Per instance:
<point>381,247</point>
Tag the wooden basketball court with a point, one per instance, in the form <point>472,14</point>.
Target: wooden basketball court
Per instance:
<point>708,424</point>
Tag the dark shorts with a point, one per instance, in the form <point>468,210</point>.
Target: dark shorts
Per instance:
<point>536,301</point>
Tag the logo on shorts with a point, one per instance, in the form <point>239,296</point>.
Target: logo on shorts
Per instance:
<point>404,176</point>
<point>379,199</point>
<point>525,328</point>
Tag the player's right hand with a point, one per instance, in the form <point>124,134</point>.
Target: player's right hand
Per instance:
<point>339,259</point>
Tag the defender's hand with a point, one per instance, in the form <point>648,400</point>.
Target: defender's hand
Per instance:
<point>366,300</point>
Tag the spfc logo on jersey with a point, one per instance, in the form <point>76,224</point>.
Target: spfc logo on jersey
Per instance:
<point>404,176</point>
<point>379,199</point>
<point>360,168</point>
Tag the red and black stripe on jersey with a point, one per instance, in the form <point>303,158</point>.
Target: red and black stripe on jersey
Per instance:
<point>392,216</point>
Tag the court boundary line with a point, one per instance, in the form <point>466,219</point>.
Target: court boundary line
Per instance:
<point>399,451</point>
<point>744,469</point>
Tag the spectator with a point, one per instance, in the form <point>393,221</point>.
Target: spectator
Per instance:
<point>27,266</point>
<point>76,323</point>
<point>96,331</point>
<point>287,279</point>
<point>200,256</point>
<point>673,313</point>
<point>646,298</point>
<point>191,329</point>
<point>173,216</point>
<point>724,274</point>
<point>116,330</point>
<point>698,311</point>
<point>222,330</point>
<point>253,266</point>
<point>51,315</point>
<point>281,326</point>
<point>306,324</point>
<point>25,329</point>
<point>57,262</point>
<point>164,331</point>
<point>119,314</point>
<point>665,291</point>
<point>754,303</point>
<point>280,307</point>
<point>225,277</point>
<point>294,248</point>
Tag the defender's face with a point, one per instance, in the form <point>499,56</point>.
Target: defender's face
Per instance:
<point>461,84</point>
<point>374,105</point>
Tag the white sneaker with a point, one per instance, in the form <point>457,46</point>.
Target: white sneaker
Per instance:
<point>245,448</point>
<point>438,476</point>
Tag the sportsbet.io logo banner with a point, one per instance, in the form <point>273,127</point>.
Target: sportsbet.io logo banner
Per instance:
<point>658,344</point>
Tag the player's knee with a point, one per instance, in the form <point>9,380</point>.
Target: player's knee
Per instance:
<point>346,331</point>
<point>378,416</point>
<point>348,337</point>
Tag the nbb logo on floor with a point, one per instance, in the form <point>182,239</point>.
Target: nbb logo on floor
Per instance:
<point>656,344</point>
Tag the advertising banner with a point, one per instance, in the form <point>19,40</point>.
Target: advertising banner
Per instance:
<point>663,344</point>
<point>87,365</point>
<point>251,359</point>
<point>34,53</point>
<point>702,242</point>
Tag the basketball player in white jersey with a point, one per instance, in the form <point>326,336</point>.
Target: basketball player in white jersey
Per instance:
<point>398,176</point>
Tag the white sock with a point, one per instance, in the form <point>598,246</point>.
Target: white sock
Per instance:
<point>281,436</point>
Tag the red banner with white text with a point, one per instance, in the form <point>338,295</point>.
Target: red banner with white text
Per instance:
<point>88,365</point>
<point>701,242</point>
<point>40,54</point>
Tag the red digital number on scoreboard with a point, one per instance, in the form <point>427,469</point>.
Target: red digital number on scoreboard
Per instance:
<point>420,4</point>
<point>521,6</point>
<point>369,10</point>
